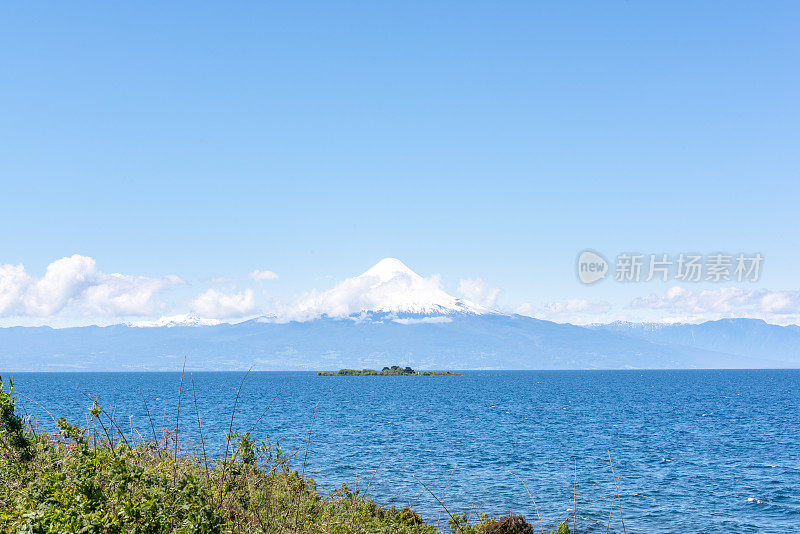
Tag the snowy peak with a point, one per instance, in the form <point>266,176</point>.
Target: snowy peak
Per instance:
<point>390,287</point>
<point>188,319</point>
<point>389,268</point>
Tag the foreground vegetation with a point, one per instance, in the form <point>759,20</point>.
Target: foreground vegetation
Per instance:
<point>97,480</point>
<point>394,370</point>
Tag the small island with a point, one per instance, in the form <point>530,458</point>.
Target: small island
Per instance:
<point>394,370</point>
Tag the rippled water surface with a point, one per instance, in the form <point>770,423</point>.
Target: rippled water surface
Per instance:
<point>713,451</point>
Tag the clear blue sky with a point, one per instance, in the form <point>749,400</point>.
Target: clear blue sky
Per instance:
<point>491,140</point>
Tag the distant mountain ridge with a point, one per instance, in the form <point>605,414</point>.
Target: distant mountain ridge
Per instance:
<point>748,337</point>
<point>388,315</point>
<point>459,341</point>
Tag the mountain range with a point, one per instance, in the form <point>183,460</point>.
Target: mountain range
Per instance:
<point>391,315</point>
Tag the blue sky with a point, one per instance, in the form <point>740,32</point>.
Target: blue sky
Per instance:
<point>472,140</point>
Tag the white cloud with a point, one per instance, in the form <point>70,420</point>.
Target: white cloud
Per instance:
<point>75,283</point>
<point>781,302</point>
<point>677,304</point>
<point>780,307</point>
<point>74,289</point>
<point>124,295</point>
<point>476,290</point>
<point>14,282</point>
<point>217,305</point>
<point>578,311</point>
<point>263,275</point>
<point>723,300</point>
<point>578,306</point>
<point>64,279</point>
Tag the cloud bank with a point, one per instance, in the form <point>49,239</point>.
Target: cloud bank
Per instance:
<point>476,290</point>
<point>74,290</point>
<point>218,305</point>
<point>577,311</point>
<point>76,283</point>
<point>724,301</point>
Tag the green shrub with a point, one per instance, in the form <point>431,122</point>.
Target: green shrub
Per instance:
<point>79,480</point>
<point>61,483</point>
<point>17,445</point>
<point>510,524</point>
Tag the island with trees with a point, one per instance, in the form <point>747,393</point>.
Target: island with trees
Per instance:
<point>394,370</point>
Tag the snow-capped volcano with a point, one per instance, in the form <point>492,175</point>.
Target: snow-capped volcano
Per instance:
<point>387,287</point>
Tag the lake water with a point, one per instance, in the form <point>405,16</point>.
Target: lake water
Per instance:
<point>713,451</point>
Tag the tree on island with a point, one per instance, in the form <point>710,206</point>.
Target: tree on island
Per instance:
<point>394,370</point>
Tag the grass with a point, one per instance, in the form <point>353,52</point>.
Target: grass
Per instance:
<point>97,479</point>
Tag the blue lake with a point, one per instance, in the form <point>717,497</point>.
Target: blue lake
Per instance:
<point>713,451</point>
